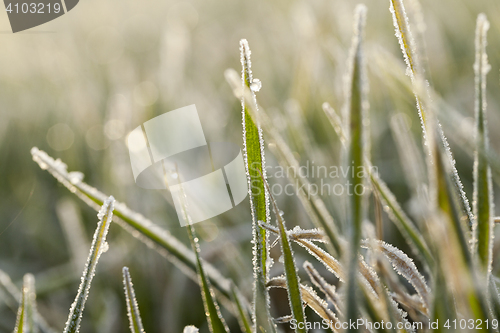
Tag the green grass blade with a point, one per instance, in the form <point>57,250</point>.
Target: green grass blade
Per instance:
<point>292,279</point>
<point>136,224</point>
<point>357,151</point>
<point>105,216</point>
<point>214,317</point>
<point>13,295</point>
<point>243,319</point>
<point>134,316</point>
<point>483,187</point>
<point>26,315</point>
<point>253,151</point>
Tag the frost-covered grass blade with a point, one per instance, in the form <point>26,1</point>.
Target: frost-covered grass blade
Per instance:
<point>105,217</point>
<point>136,224</point>
<point>134,316</point>
<point>243,319</point>
<point>26,315</point>
<point>483,187</point>
<point>253,151</point>
<point>292,278</point>
<point>214,317</point>
<point>405,267</point>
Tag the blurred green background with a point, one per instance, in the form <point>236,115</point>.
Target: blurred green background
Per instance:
<point>75,86</point>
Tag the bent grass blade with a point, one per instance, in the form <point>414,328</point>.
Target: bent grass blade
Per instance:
<point>134,223</point>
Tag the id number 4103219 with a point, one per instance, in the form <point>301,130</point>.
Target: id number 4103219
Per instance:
<point>471,324</point>
<point>33,8</point>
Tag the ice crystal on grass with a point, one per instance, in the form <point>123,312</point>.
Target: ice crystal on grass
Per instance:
<point>323,286</point>
<point>405,37</point>
<point>105,217</point>
<point>190,329</point>
<point>405,266</point>
<point>297,233</point>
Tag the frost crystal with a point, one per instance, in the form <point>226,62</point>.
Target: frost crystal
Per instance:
<point>190,329</point>
<point>256,85</point>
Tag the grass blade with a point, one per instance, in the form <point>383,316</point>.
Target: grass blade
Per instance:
<point>13,295</point>
<point>26,315</point>
<point>323,286</point>
<point>483,187</point>
<point>292,279</point>
<point>136,224</point>
<point>105,216</point>
<point>132,307</point>
<point>214,317</point>
<point>253,151</point>
<point>357,151</point>
<point>243,319</point>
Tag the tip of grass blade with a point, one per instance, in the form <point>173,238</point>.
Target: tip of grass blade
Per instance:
<point>132,307</point>
<point>25,322</point>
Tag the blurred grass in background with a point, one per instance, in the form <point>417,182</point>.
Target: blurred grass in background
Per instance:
<point>74,87</point>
